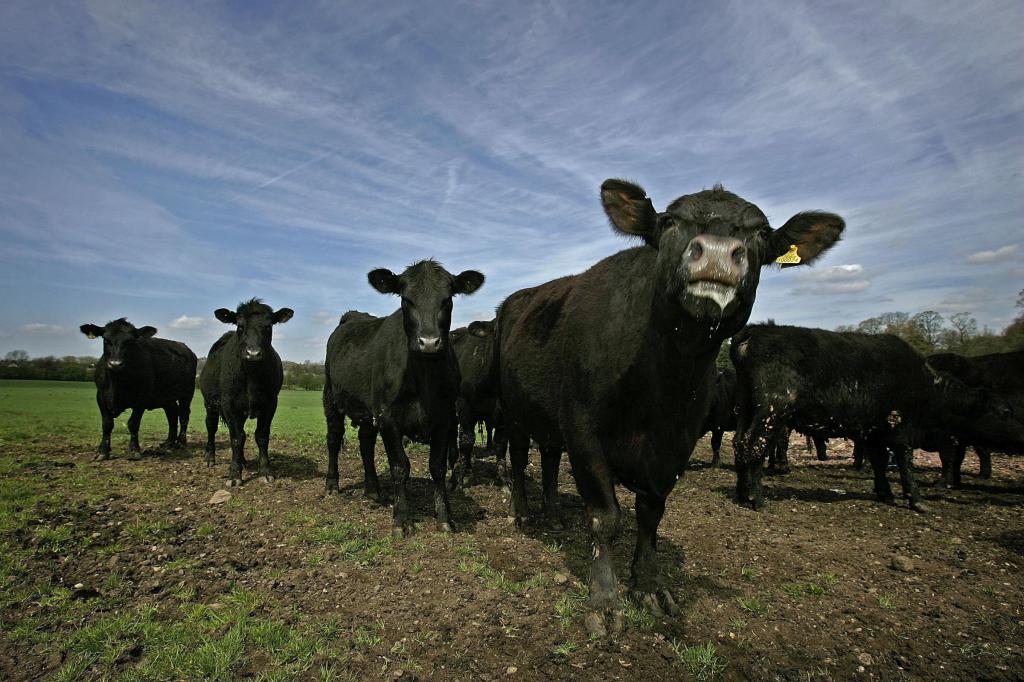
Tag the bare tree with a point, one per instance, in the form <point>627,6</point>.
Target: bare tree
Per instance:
<point>964,327</point>
<point>930,324</point>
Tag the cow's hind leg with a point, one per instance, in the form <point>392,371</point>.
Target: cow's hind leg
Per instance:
<point>878,454</point>
<point>171,412</point>
<point>646,589</point>
<point>212,422</point>
<point>184,413</point>
<point>335,419</point>
<point>466,440</point>
<point>907,481</point>
<point>367,444</point>
<point>550,459</point>
<point>519,449</point>
<point>716,447</point>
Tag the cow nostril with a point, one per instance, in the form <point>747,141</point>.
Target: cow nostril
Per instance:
<point>696,250</point>
<point>739,254</point>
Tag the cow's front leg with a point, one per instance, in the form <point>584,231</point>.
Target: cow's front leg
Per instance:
<point>236,428</point>
<point>134,451</point>
<point>646,589</point>
<point>439,445</point>
<point>103,451</point>
<point>399,463</point>
<point>263,421</point>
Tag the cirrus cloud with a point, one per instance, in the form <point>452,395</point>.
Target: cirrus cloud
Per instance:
<point>1003,253</point>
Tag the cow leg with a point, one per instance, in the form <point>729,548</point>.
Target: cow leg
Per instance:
<point>778,462</point>
<point>438,471</point>
<point>550,459</point>
<point>171,412</point>
<point>984,461</point>
<point>594,483</point>
<point>519,449</point>
<point>716,447</point>
<point>367,441</point>
<point>501,478</point>
<point>236,427</point>
<point>335,437</point>
<point>820,447</point>
<point>263,422</point>
<point>752,444</point>
<point>646,588</point>
<point>948,455</point>
<point>184,413</point>
<point>103,451</point>
<point>134,451</point>
<point>399,463</point>
<point>212,422</point>
<point>467,437</point>
<point>489,429</point>
<point>878,454</point>
<point>904,457</point>
<point>858,455</point>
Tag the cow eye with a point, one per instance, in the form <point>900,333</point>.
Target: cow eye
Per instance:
<point>668,220</point>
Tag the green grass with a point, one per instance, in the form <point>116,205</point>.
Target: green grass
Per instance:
<point>752,605</point>
<point>32,410</point>
<point>701,660</point>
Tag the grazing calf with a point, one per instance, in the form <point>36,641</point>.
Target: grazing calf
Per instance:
<point>478,397</point>
<point>721,412</point>
<point>862,386</point>
<point>140,372</point>
<point>1002,373</point>
<point>241,380</point>
<point>398,375</point>
<point>613,363</point>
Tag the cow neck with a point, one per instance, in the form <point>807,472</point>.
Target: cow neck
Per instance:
<point>429,377</point>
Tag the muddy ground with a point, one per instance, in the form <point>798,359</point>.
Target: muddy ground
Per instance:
<point>108,565</point>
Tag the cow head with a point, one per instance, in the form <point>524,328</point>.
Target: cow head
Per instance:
<point>119,337</point>
<point>711,248</point>
<point>426,289</point>
<point>255,320</point>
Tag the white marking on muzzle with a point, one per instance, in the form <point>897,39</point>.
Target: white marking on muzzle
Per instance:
<point>719,293</point>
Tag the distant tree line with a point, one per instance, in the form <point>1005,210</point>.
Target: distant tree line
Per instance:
<point>18,365</point>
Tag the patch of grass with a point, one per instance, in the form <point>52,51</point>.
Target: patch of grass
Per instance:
<point>553,547</point>
<point>353,543</point>
<point>364,638</point>
<point>752,605</point>
<point>637,615</point>
<point>314,559</point>
<point>565,648</point>
<point>737,623</point>
<point>748,573</point>
<point>142,530</point>
<point>827,579</point>
<point>886,602</point>
<point>205,530</point>
<point>702,660</point>
<point>798,590</point>
<point>570,604</point>
<point>416,568</point>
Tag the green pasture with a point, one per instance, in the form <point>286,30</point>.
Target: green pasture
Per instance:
<point>33,410</point>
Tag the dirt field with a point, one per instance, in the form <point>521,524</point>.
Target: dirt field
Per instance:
<point>124,570</point>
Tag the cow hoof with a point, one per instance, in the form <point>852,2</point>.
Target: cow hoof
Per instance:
<point>920,507</point>
<point>101,456</point>
<point>210,462</point>
<point>594,624</point>
<point>445,527</point>
<point>234,482</point>
<point>134,456</point>
<point>267,478</point>
<point>519,522</point>
<point>401,531</point>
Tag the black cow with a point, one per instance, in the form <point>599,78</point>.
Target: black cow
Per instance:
<point>721,415</point>
<point>140,372</point>
<point>478,397</point>
<point>612,363</point>
<point>862,386</point>
<point>398,375</point>
<point>1002,373</point>
<point>241,380</point>
<point>778,457</point>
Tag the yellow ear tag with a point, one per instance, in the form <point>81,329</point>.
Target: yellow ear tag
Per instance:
<point>791,257</point>
<point>90,336</point>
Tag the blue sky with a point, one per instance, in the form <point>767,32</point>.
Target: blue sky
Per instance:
<point>161,160</point>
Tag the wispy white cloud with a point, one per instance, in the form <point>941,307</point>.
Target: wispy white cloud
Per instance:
<point>1003,253</point>
<point>186,322</point>
<point>40,329</point>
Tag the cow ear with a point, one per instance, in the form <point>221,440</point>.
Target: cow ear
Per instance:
<point>384,281</point>
<point>804,238</point>
<point>629,210</point>
<point>283,315</point>
<point>146,332</point>
<point>226,316</point>
<point>467,282</point>
<point>91,330</point>
<point>480,329</point>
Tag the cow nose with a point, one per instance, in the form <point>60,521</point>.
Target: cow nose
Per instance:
<point>716,259</point>
<point>253,353</point>
<point>429,344</point>
<point>114,364</point>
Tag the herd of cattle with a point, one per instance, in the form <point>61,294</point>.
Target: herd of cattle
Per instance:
<point>615,366</point>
